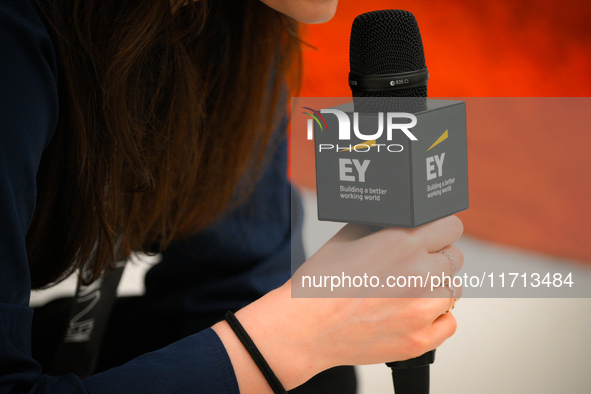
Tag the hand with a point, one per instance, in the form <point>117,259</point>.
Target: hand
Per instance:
<point>300,337</point>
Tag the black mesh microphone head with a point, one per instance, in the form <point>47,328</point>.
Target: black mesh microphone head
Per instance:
<point>386,42</point>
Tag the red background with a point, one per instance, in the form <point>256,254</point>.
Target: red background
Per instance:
<point>529,184</point>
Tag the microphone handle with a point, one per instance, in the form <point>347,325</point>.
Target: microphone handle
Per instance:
<point>412,376</point>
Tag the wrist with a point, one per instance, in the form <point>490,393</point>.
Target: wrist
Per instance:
<point>281,338</point>
<point>254,352</point>
<point>248,376</point>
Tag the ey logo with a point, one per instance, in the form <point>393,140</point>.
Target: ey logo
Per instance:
<point>435,163</point>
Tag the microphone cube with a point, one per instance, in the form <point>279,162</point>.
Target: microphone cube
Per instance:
<point>380,169</point>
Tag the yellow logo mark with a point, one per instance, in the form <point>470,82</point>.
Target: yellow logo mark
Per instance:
<point>366,144</point>
<point>442,138</point>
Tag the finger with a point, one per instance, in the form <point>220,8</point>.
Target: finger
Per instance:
<point>453,289</point>
<point>449,258</point>
<point>443,262</point>
<point>443,299</point>
<point>440,233</point>
<point>442,328</point>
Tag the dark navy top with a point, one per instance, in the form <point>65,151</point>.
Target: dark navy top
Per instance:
<point>227,266</point>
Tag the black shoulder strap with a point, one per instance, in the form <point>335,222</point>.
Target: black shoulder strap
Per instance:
<point>77,350</point>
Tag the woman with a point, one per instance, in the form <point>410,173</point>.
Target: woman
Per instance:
<point>157,126</point>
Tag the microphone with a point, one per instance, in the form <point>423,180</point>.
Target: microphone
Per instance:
<point>414,168</point>
<point>407,173</point>
<point>387,60</point>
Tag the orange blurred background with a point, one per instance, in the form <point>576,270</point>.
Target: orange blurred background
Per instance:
<point>529,185</point>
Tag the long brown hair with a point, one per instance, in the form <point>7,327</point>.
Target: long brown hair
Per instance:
<point>163,110</point>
